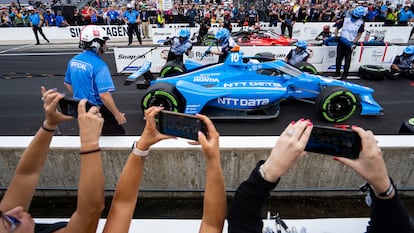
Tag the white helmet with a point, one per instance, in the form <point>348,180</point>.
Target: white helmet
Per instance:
<point>93,37</point>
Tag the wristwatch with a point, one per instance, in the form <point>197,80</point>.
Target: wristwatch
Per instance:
<point>139,152</point>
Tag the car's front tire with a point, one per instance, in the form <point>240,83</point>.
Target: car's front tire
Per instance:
<point>164,95</point>
<point>336,104</point>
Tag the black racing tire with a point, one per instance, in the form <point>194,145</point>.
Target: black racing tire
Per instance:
<point>307,67</point>
<point>336,104</point>
<point>407,127</point>
<point>172,68</point>
<point>372,72</point>
<point>165,95</point>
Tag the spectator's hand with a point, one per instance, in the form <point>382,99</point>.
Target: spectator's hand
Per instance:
<point>120,118</point>
<point>90,126</point>
<point>50,101</point>
<point>209,142</point>
<point>151,135</point>
<point>288,149</point>
<point>370,165</point>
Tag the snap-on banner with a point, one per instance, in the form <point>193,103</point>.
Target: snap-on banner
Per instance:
<point>128,60</point>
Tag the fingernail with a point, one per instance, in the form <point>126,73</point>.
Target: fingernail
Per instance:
<point>310,123</point>
<point>55,89</point>
<point>292,122</point>
<point>354,126</point>
<point>301,119</point>
<point>335,158</point>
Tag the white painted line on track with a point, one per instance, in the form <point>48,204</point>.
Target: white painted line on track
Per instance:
<point>15,48</point>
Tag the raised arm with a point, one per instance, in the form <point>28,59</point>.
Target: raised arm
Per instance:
<point>215,199</point>
<point>126,194</point>
<point>91,199</point>
<point>27,174</point>
<point>388,213</point>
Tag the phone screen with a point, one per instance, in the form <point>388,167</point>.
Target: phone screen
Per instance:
<point>334,141</point>
<point>69,106</point>
<point>180,125</point>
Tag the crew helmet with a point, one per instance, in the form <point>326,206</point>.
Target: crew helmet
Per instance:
<point>184,33</point>
<point>93,37</point>
<point>326,28</point>
<point>409,50</point>
<point>222,35</point>
<point>358,12</point>
<point>302,44</point>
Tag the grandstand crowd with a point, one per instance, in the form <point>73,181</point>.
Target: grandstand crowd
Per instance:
<point>107,12</point>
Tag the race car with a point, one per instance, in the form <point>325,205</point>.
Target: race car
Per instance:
<point>261,38</point>
<point>251,88</point>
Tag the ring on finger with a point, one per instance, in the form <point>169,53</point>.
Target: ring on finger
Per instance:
<point>290,133</point>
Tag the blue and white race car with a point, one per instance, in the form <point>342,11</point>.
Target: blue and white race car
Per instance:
<point>251,88</point>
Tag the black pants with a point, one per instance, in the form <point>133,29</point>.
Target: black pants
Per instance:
<point>111,126</point>
<point>37,29</point>
<point>133,28</point>
<point>343,51</point>
<point>289,28</point>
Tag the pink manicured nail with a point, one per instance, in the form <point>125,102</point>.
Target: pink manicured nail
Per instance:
<point>335,158</point>
<point>292,122</point>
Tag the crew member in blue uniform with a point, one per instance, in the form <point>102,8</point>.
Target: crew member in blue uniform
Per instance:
<point>132,18</point>
<point>36,23</point>
<point>88,77</point>
<point>298,54</point>
<point>226,42</point>
<point>403,65</point>
<point>352,29</point>
<point>179,46</point>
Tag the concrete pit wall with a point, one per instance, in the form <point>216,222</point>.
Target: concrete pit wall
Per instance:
<point>179,170</point>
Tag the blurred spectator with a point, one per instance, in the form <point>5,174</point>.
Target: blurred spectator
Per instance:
<point>252,16</point>
<point>114,16</point>
<point>273,14</point>
<point>160,19</point>
<point>60,20</point>
<point>241,16</point>
<point>288,19</point>
<point>86,13</point>
<point>145,18</point>
<point>50,18</point>
<point>405,15</point>
<point>192,15</point>
<point>77,17</point>
<point>390,17</point>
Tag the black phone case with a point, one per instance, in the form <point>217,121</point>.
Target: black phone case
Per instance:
<point>334,141</point>
<point>180,125</point>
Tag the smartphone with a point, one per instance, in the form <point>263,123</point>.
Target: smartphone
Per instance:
<point>180,125</point>
<point>334,141</point>
<point>69,106</point>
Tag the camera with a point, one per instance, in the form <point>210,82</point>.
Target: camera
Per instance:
<point>180,125</point>
<point>334,141</point>
<point>69,106</point>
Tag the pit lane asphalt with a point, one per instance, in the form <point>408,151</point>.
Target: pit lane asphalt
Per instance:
<point>25,67</point>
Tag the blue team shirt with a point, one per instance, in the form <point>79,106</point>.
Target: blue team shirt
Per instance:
<point>113,15</point>
<point>89,76</point>
<point>131,16</point>
<point>405,15</point>
<point>34,19</point>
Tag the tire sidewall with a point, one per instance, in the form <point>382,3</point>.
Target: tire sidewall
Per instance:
<point>326,99</point>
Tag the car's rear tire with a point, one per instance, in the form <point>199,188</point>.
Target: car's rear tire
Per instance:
<point>336,104</point>
<point>307,67</point>
<point>372,72</point>
<point>164,95</point>
<point>172,68</point>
